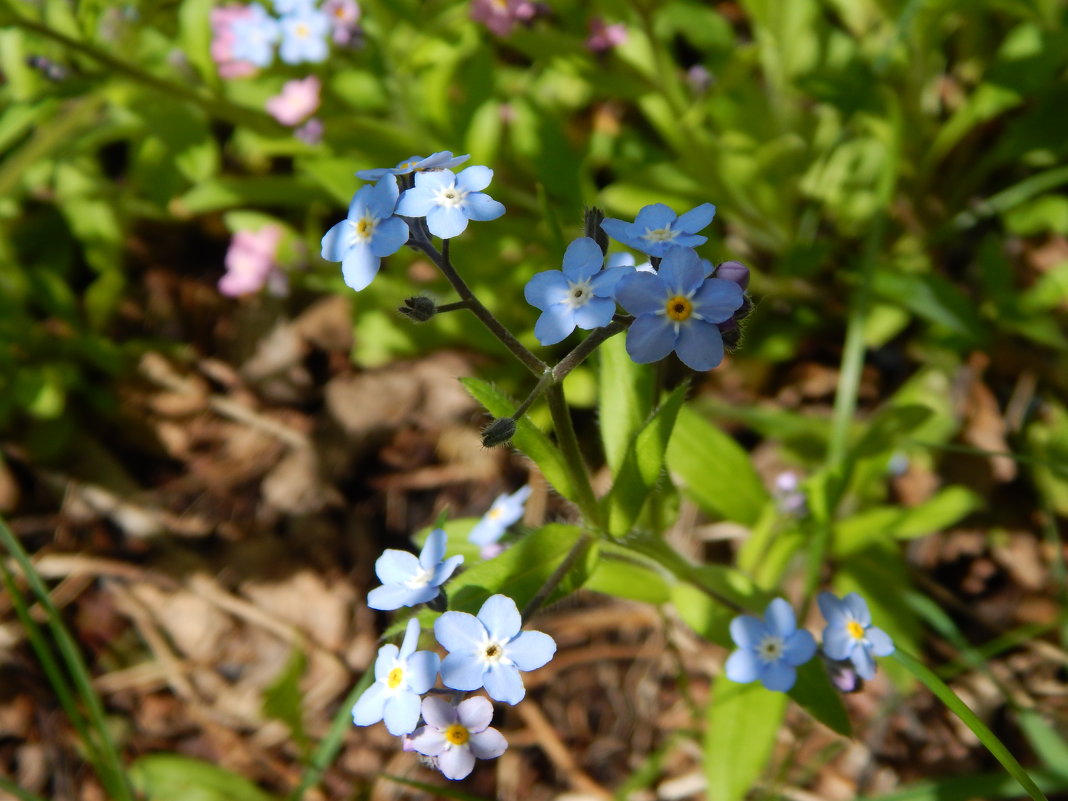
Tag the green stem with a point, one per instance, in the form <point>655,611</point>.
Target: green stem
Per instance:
<point>10,787</point>
<point>557,576</point>
<point>565,436</point>
<point>586,347</point>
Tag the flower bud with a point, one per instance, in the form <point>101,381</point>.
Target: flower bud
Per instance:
<point>592,217</point>
<point>498,432</point>
<point>418,308</point>
<point>734,271</point>
<point>439,603</point>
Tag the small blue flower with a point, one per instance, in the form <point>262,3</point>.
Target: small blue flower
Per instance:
<point>292,6</point>
<point>627,260</point>
<point>676,309</point>
<point>770,649</point>
<point>255,37</point>
<point>368,233</point>
<point>580,295</point>
<point>489,650</point>
<point>850,635</point>
<point>656,229</point>
<point>304,35</point>
<point>443,160</point>
<point>407,581</point>
<point>506,509</point>
<point>448,200</point>
<point>401,676</point>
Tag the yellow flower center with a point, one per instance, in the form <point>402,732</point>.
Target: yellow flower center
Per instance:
<point>659,234</point>
<point>395,677</point>
<point>494,513</point>
<point>678,308</point>
<point>856,631</point>
<point>302,30</point>
<point>363,229</point>
<point>457,734</point>
<point>409,165</point>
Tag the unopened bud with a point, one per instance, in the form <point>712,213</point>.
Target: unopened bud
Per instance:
<point>734,271</point>
<point>498,432</point>
<point>419,308</point>
<point>592,217</point>
<point>439,603</point>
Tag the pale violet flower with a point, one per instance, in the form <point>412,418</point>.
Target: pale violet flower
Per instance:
<point>770,649</point>
<point>442,160</point>
<point>448,200</point>
<point>656,229</point>
<point>369,233</point>
<point>504,511</point>
<point>455,736</point>
<point>297,101</point>
<point>406,580</point>
<point>489,650</point>
<point>850,635</point>
<point>401,676</point>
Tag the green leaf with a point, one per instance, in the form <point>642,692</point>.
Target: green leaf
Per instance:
<point>261,190</point>
<point>524,568</point>
<point>968,788</point>
<point>626,578</point>
<point>935,514</point>
<point>816,694</point>
<point>715,469</point>
<point>743,721</point>
<point>971,720</point>
<point>282,698</point>
<point>934,299</point>
<point>433,790</point>
<point>1044,739</point>
<point>173,777</point>
<point>642,465</point>
<point>528,438</point>
<point>625,392</point>
<point>887,428</point>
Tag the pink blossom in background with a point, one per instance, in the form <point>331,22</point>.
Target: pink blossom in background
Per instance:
<point>500,16</point>
<point>604,37</point>
<point>251,263</point>
<point>344,16</point>
<point>297,101</point>
<point>223,40</point>
<point>311,132</point>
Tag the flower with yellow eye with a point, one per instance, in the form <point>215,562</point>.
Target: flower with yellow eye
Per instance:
<point>850,635</point>
<point>657,230</point>
<point>304,33</point>
<point>441,160</point>
<point>676,309</point>
<point>369,233</point>
<point>401,676</point>
<point>458,735</point>
<point>506,509</point>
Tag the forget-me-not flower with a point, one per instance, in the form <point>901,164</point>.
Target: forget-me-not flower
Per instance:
<point>656,229</point>
<point>448,200</point>
<point>504,511</point>
<point>579,295</point>
<point>254,36</point>
<point>770,649</point>
<point>401,676</point>
<point>304,35</point>
<point>627,260</point>
<point>458,735</point>
<point>406,580</point>
<point>850,635</point>
<point>489,650</point>
<point>676,309</point>
<point>368,233</point>
<point>442,160</point>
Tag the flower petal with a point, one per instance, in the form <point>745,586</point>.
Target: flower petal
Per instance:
<point>641,293</point>
<point>481,207</point>
<point>695,219</point>
<point>681,271</point>
<point>462,672</point>
<point>335,242</point>
<point>382,197</point>
<point>429,741</point>
<point>863,661</point>
<point>554,324</point>
<point>360,266</point>
<point>387,656</point>
<point>401,713</point>
<point>446,569</point>
<point>650,338</point>
<point>800,647</point>
<point>395,566</point>
<point>394,596</point>
<point>837,642</point>
<point>699,345</point>
<point>655,215</point>
<point>531,649</point>
<point>456,762</point>
<point>503,683</point>
<point>858,608</point>
<point>832,608</point>
<point>487,744</point>
<point>446,222</point>
<point>747,631</point>
<point>415,202</point>
<point>779,618</point>
<point>433,549</point>
<point>369,707</point>
<point>881,644</point>
<point>422,671</point>
<point>438,713</point>
<point>743,666</point>
<point>622,231</point>
<point>475,714</point>
<point>546,288</point>
<point>390,236</point>
<point>500,616</point>
<point>778,676</point>
<point>595,313</point>
<point>717,300</point>
<point>582,259</point>
<point>411,639</point>
<point>459,632</point>
<point>474,178</point>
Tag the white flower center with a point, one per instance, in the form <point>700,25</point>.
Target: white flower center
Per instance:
<point>771,648</point>
<point>363,229</point>
<point>420,579</point>
<point>492,652</point>
<point>450,197</point>
<point>578,294</point>
<point>665,234</point>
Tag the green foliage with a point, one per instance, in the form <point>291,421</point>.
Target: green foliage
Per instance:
<point>173,777</point>
<point>743,723</point>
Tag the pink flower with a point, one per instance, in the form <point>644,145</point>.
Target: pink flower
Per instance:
<point>604,37</point>
<point>500,16</point>
<point>297,101</point>
<point>344,16</point>
<point>251,263</point>
<point>223,40</point>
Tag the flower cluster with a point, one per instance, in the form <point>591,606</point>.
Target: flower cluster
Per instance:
<point>245,37</point>
<point>487,651</point>
<point>770,649</point>
<point>375,226</point>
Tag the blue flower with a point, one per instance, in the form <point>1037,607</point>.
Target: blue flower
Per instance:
<point>455,736</point>
<point>407,581</point>
<point>368,233</point>
<point>304,35</point>
<point>448,200</point>
<point>676,309</point>
<point>490,650</point>
<point>656,229</point>
<point>506,509</point>
<point>254,37</point>
<point>401,676</point>
<point>850,635</point>
<point>436,161</point>
<point>293,6</point>
<point>770,649</point>
<point>580,295</point>
<point>627,260</point>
